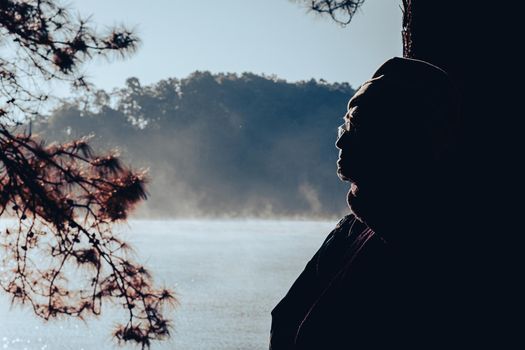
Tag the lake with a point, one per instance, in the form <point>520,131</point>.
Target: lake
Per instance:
<point>227,274</point>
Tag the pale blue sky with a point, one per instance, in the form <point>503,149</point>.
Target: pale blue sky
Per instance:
<point>261,36</point>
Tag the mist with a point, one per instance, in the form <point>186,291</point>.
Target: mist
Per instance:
<point>218,145</point>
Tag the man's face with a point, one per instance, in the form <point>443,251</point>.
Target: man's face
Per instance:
<point>350,141</point>
<point>343,143</point>
<point>364,140</point>
<point>376,152</point>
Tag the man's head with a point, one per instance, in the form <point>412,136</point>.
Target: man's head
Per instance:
<point>396,133</point>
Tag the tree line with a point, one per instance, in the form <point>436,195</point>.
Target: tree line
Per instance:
<point>218,144</point>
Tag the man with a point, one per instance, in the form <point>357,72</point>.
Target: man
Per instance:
<point>381,279</point>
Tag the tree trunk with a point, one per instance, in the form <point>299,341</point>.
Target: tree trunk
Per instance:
<point>466,41</point>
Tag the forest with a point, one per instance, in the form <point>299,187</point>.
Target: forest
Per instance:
<point>218,145</point>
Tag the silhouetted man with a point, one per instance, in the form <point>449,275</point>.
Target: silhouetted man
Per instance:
<point>382,278</point>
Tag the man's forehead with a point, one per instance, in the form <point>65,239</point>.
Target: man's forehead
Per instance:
<point>360,93</point>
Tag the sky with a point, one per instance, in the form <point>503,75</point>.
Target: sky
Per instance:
<point>274,37</point>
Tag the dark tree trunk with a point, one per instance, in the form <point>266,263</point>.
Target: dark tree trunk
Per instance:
<point>435,34</point>
<point>468,41</point>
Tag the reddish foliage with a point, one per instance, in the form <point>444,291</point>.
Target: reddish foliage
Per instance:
<point>62,257</point>
<point>65,200</point>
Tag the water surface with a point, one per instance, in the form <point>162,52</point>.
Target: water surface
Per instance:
<point>228,275</point>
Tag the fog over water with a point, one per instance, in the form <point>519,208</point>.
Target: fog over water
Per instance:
<point>227,274</point>
<point>219,145</point>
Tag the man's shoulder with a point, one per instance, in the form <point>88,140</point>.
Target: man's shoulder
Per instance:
<point>349,228</point>
<point>346,220</point>
<point>346,239</point>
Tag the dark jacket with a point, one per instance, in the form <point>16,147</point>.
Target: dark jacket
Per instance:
<point>356,292</point>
